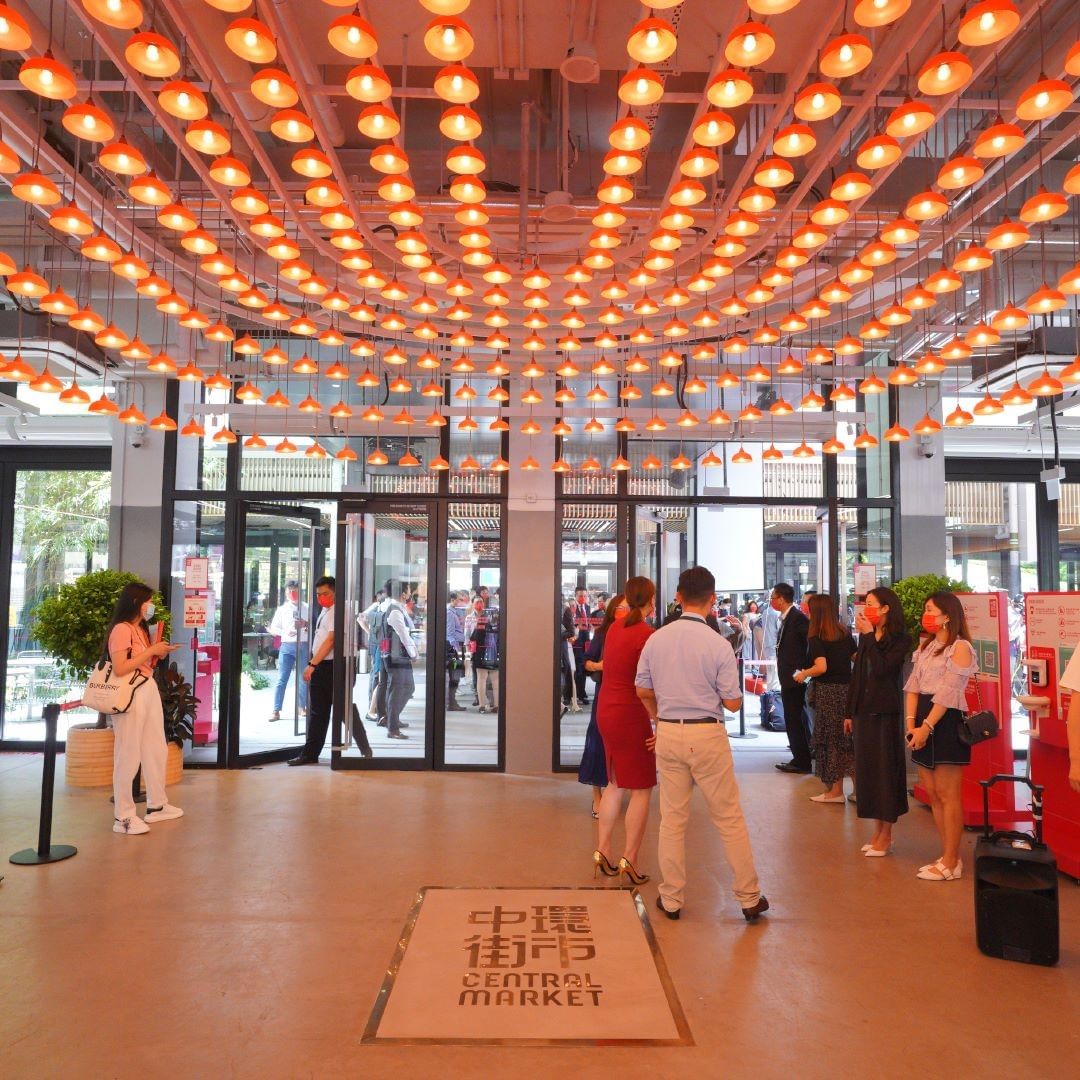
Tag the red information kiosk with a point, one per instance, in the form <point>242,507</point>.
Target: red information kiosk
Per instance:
<point>989,625</point>
<point>1053,630</point>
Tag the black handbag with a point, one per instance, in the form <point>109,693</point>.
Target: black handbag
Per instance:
<point>977,727</point>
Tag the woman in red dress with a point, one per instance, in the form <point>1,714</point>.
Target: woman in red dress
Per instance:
<point>627,733</point>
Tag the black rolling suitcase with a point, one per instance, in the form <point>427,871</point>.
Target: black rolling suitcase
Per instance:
<point>1016,887</point>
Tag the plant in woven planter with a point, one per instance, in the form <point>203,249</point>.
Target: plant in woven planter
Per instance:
<point>70,622</point>
<point>914,591</point>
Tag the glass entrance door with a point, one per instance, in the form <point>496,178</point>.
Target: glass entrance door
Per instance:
<point>283,553</point>
<point>386,617</point>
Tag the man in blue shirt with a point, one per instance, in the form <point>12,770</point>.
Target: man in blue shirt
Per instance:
<point>686,676</point>
<point>455,646</point>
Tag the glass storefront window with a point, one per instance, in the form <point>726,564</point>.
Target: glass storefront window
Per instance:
<point>589,560</point>
<point>59,528</point>
<point>990,535</point>
<point>474,637</point>
<point>1069,538</point>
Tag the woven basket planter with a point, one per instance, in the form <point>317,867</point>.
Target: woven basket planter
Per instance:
<point>88,759</point>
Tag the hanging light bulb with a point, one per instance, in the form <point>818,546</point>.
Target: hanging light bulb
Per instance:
<point>448,38</point>
<point>651,41</point>
<point>846,55</point>
<point>15,31</point>
<point>1044,99</point>
<point>47,77</point>
<point>817,101</point>
<point>749,45</point>
<point>988,22</point>
<point>872,13</point>
<point>275,87</point>
<point>998,140</point>
<point>85,120</point>
<point>251,40</point>
<point>153,55</point>
<point>944,73</point>
<point>910,119</point>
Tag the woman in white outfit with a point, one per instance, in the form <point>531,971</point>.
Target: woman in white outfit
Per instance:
<point>139,733</point>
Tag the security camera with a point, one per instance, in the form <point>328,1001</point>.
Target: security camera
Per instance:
<point>926,446</point>
<point>136,435</point>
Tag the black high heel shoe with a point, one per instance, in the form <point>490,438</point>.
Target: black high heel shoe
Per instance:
<point>602,866</point>
<point>627,867</point>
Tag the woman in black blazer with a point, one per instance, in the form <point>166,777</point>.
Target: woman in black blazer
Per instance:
<point>875,716</point>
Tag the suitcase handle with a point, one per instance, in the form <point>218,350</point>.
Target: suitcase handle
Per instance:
<point>1036,801</point>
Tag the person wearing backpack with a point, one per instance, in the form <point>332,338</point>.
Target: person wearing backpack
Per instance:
<point>398,653</point>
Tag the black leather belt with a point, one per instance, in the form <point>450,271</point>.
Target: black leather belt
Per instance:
<point>698,720</point>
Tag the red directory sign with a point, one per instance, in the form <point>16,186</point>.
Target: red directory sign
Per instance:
<point>1053,632</point>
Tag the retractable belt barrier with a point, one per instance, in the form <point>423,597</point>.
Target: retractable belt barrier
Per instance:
<point>46,851</point>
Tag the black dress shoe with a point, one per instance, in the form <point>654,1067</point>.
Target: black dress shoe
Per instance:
<point>791,767</point>
<point>751,914</point>
<point>673,915</point>
<point>303,759</point>
<point>396,735</point>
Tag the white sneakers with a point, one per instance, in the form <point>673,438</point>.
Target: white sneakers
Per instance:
<point>130,826</point>
<point>134,826</point>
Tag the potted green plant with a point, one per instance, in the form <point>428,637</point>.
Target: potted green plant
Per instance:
<point>913,592</point>
<point>69,625</point>
<point>178,706</point>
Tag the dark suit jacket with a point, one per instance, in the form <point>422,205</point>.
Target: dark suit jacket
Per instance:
<point>875,679</point>
<point>569,631</point>
<point>791,646</point>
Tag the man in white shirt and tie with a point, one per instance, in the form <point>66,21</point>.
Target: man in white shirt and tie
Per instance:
<point>288,624</point>
<point>319,674</point>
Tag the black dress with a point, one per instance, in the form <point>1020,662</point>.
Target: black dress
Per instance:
<point>875,706</point>
<point>834,756</point>
<point>593,767</point>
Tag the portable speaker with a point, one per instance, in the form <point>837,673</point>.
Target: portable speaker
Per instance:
<point>1016,890</point>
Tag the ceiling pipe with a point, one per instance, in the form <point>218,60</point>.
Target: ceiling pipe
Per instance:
<point>523,183</point>
<point>309,75</point>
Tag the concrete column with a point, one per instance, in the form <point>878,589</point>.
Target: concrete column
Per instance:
<point>135,519</point>
<point>530,533</point>
<point>920,546</point>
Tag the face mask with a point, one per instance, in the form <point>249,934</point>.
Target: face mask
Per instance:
<point>325,601</point>
<point>148,611</point>
<point>872,615</point>
<point>776,605</point>
<point>621,613</point>
<point>931,623</point>
<point>804,607</point>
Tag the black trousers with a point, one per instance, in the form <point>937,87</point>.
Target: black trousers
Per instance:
<point>795,720</point>
<point>400,687</point>
<point>580,675</point>
<point>320,703</point>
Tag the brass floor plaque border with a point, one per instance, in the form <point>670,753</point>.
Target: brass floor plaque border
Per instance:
<point>371,1035</point>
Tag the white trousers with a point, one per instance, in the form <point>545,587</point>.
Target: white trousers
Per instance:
<point>484,677</point>
<point>689,754</point>
<point>139,738</point>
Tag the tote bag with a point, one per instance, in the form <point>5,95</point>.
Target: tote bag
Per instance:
<point>108,693</point>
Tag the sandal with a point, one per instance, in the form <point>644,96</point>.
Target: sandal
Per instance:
<point>940,872</point>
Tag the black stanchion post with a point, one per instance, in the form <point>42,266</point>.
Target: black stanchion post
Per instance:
<point>46,852</point>
<point>743,733</point>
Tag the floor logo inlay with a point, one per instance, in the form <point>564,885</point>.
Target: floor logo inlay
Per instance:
<point>528,966</point>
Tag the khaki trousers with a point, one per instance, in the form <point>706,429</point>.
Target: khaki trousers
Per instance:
<point>689,754</point>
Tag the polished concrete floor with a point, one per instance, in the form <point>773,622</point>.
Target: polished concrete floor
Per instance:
<point>249,939</point>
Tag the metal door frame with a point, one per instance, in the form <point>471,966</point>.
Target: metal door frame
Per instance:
<point>234,638</point>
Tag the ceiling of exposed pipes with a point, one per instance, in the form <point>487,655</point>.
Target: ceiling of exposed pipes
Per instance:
<point>316,198</point>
